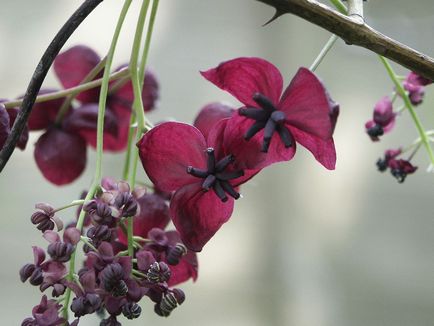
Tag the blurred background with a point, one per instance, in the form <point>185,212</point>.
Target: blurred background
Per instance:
<point>305,246</point>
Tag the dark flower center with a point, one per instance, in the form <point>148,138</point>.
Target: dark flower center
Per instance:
<point>216,177</point>
<point>266,117</point>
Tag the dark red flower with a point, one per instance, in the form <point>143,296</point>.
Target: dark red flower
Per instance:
<point>71,67</point>
<point>60,155</point>
<point>273,122</point>
<point>204,174</point>
<point>210,114</point>
<point>401,168</point>
<point>383,119</point>
<point>415,85</point>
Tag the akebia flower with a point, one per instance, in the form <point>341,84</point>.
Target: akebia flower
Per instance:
<point>383,119</point>
<point>415,85</point>
<point>204,174</point>
<point>272,122</point>
<point>210,114</point>
<point>71,67</point>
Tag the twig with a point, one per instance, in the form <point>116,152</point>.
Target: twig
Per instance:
<point>352,31</point>
<point>39,75</point>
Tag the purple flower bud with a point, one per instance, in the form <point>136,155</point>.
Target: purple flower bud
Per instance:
<point>131,310</point>
<point>383,112</point>
<point>60,251</point>
<point>45,219</point>
<point>179,295</point>
<point>175,253</point>
<point>158,272</point>
<point>87,304</point>
<point>167,305</point>
<point>415,85</point>
<point>112,280</point>
<point>127,203</point>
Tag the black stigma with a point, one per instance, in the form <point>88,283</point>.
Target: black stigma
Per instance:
<point>215,177</point>
<point>266,117</point>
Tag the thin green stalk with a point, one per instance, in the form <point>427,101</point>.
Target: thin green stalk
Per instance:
<point>72,204</point>
<point>327,47</point>
<point>100,129</point>
<point>66,92</point>
<point>340,6</point>
<point>142,67</point>
<point>127,162</point>
<point>137,105</point>
<point>410,108</point>
<point>68,100</point>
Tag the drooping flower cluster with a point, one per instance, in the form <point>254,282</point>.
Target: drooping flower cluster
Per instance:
<point>205,166</point>
<point>110,282</point>
<point>61,151</point>
<point>384,118</point>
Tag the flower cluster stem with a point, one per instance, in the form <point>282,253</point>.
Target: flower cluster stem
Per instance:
<point>327,47</point>
<point>66,92</point>
<point>422,134</point>
<point>100,129</point>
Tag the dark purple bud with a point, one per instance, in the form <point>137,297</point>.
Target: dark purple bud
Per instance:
<point>127,203</point>
<point>174,254</point>
<point>26,271</point>
<point>102,214</point>
<point>99,233</point>
<point>415,85</point>
<point>167,305</point>
<point>45,219</point>
<point>131,310</point>
<point>86,304</point>
<point>112,280</point>
<point>179,295</point>
<point>60,251</point>
<point>58,290</point>
<point>37,277</point>
<point>158,272</point>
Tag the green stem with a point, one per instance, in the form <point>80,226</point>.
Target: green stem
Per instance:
<point>74,203</point>
<point>100,129</point>
<point>332,40</point>
<point>127,162</point>
<point>137,105</point>
<point>409,106</point>
<point>340,6</point>
<point>68,100</point>
<point>142,67</point>
<point>86,241</point>
<point>66,92</point>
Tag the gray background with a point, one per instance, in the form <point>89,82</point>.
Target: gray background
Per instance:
<point>305,246</point>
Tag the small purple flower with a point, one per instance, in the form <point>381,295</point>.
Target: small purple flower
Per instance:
<point>383,119</point>
<point>401,168</point>
<point>45,314</point>
<point>45,219</point>
<point>415,85</point>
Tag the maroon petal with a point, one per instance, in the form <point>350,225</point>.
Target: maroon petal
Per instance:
<point>248,154</point>
<point>44,114</point>
<point>61,156</point>
<point>323,150</point>
<point>38,255</point>
<point>144,259</point>
<point>24,137</point>
<point>5,129</point>
<point>73,65</point>
<point>243,77</point>
<point>307,106</point>
<point>84,122</point>
<point>210,114</point>
<point>197,215</point>
<point>124,96</point>
<point>154,213</point>
<point>167,150</point>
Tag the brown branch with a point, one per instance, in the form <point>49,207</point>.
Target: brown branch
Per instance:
<point>354,32</point>
<point>39,75</point>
